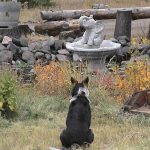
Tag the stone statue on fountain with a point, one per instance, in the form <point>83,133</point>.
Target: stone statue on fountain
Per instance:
<point>93,35</point>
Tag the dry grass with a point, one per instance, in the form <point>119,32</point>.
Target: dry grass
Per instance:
<point>83,4</point>
<point>112,131</point>
<point>34,14</point>
<point>108,136</point>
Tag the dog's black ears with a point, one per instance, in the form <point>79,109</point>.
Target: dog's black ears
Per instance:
<point>86,81</point>
<point>73,81</point>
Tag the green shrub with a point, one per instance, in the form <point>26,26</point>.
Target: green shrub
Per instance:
<point>7,94</point>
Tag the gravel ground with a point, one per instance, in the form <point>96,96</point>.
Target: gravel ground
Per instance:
<point>139,27</point>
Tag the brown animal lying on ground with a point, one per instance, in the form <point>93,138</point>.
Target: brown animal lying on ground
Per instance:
<point>137,100</point>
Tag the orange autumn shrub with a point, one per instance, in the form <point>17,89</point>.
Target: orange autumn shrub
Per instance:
<point>103,79</point>
<point>137,77</point>
<point>54,78</point>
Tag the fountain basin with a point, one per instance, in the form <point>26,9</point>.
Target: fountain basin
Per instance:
<point>95,56</point>
<point>107,48</point>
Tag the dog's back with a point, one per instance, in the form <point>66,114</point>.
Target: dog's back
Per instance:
<point>79,115</point>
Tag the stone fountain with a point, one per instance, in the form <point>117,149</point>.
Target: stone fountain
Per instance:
<point>92,46</point>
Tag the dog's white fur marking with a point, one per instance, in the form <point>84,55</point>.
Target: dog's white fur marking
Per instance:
<point>85,90</point>
<point>75,97</point>
<point>81,89</point>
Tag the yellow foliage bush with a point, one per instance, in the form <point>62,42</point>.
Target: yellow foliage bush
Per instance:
<point>137,41</point>
<point>137,77</point>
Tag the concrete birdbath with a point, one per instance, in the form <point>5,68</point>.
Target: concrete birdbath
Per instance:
<point>92,47</point>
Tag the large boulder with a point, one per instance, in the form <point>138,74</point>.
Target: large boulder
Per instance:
<point>22,42</point>
<point>51,41</point>
<point>48,57</point>
<point>39,55</point>
<point>62,58</point>
<point>6,40</point>
<point>12,47</point>
<point>58,44</point>
<point>28,57</point>
<point>35,46</point>
<point>23,49</point>
<point>2,47</point>
<point>15,50</point>
<point>63,52</point>
<point>6,56</point>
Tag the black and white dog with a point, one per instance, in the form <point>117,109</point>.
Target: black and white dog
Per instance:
<point>79,117</point>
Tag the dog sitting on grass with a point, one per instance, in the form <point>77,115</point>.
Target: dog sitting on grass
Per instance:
<point>79,117</point>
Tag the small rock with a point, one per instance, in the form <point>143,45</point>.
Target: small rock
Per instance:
<point>23,42</point>
<point>28,57</point>
<point>53,57</point>
<point>23,49</point>
<point>13,62</point>
<point>95,6</point>
<point>32,71</point>
<point>123,54</point>
<point>6,40</point>
<point>62,57</point>
<point>18,62</point>
<point>125,50</point>
<point>32,46</point>
<point>45,43</point>
<point>123,38</point>
<point>48,57</point>
<point>58,44</point>
<point>46,48</point>
<point>39,55</point>
<point>45,51</point>
<point>51,41</point>
<point>63,52</point>
<point>6,56</point>
<point>70,39</point>
<point>148,53</point>
<point>76,57</point>
<point>123,42</point>
<point>15,50</point>
<point>38,46</point>
<point>35,46</point>
<point>12,47</point>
